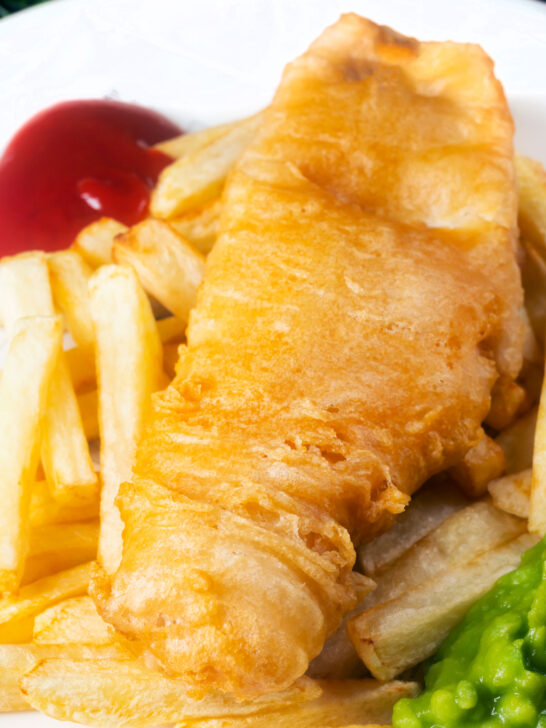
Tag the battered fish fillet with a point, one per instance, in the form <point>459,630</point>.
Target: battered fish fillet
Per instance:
<point>360,302</point>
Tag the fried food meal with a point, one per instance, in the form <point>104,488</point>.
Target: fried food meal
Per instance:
<point>240,549</point>
<point>343,349</point>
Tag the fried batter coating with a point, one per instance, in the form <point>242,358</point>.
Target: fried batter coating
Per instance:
<point>361,301</point>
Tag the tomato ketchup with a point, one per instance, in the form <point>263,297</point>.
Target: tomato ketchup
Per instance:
<point>73,163</point>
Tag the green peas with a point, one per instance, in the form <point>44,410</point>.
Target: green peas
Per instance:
<point>531,684</point>
<point>516,710</point>
<point>444,706</point>
<point>405,717</point>
<point>466,695</point>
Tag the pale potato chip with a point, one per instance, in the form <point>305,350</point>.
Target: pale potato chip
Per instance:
<point>341,701</point>
<point>17,659</point>
<point>73,621</point>
<point>198,177</point>
<point>94,242</point>
<point>35,597</point>
<point>185,144</point>
<point>166,264</point>
<point>200,226</point>
<point>64,449</point>
<point>398,634</point>
<point>129,369</point>
<point>24,385</point>
<point>462,537</point>
<point>428,508</point>
<point>512,493</point>
<point>24,288</point>
<point>125,692</point>
<point>69,274</point>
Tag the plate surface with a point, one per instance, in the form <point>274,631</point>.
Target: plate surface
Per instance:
<point>213,60</point>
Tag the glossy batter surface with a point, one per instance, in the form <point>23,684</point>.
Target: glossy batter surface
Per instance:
<point>359,304</point>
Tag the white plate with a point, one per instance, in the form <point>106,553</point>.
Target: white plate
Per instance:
<point>205,61</point>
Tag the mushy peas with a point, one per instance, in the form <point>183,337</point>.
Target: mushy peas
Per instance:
<point>491,670</point>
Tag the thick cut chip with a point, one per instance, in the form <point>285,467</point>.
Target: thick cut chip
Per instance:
<point>24,288</point>
<point>24,383</point>
<point>342,701</point>
<point>16,660</point>
<point>65,452</point>
<point>199,176</point>
<point>94,242</point>
<point>200,226</point>
<point>126,693</point>
<point>69,275</point>
<point>185,144</point>
<point>167,265</point>
<point>34,598</point>
<point>438,500</point>
<point>400,633</point>
<point>458,540</point>
<point>73,621</point>
<point>512,493</point>
<point>129,369</point>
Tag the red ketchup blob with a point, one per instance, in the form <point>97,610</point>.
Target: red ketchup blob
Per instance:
<point>73,163</point>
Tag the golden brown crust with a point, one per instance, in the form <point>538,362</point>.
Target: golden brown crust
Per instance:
<point>360,301</point>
